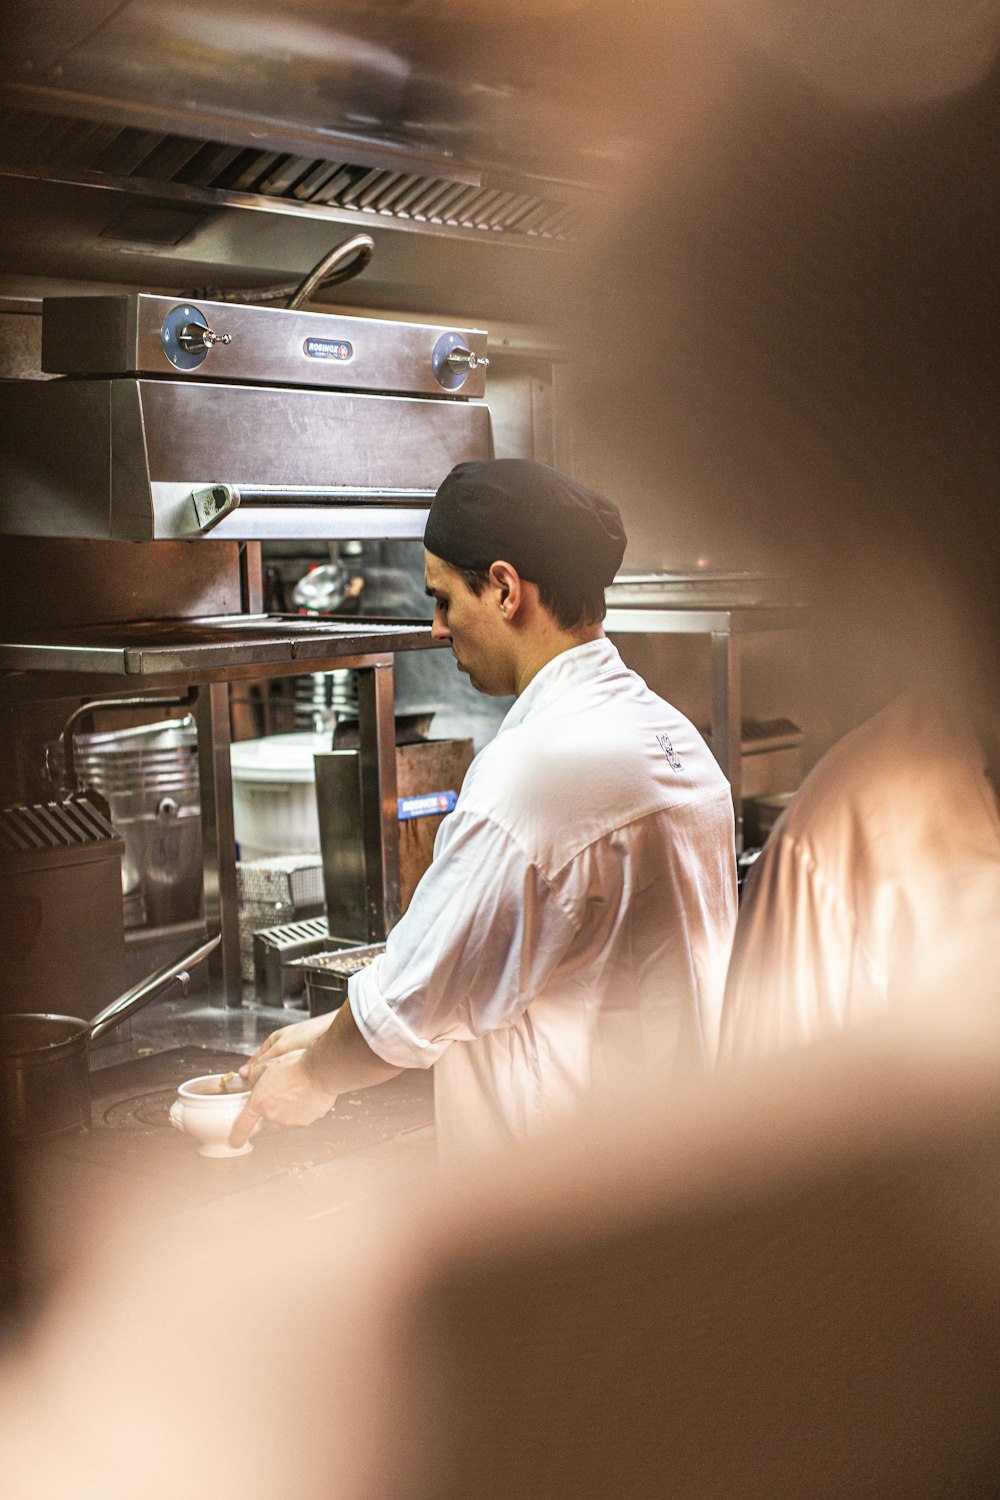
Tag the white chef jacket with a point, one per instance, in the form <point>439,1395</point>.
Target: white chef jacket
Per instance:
<point>878,889</point>
<point>577,917</point>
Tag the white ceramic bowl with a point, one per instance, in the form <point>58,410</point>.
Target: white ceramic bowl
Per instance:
<point>207,1113</point>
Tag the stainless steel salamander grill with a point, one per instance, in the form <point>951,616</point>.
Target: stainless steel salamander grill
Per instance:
<point>175,418</point>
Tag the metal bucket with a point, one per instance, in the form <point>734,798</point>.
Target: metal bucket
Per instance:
<point>149,777</point>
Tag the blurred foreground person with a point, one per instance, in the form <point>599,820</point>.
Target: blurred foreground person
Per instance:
<point>807,382</point>
<point>575,924</point>
<point>778,1284</point>
<point>879,888</point>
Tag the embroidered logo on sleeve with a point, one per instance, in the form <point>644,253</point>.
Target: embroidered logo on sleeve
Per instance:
<point>673,759</point>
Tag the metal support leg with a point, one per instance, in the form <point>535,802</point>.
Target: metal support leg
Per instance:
<point>221,898</point>
<point>251,578</point>
<point>380,813</point>
<point>727,718</point>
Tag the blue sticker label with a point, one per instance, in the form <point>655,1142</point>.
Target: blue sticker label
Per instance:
<point>430,805</point>
<point>328,349</point>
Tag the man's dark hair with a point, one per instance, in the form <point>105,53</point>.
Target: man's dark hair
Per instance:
<point>569,602</point>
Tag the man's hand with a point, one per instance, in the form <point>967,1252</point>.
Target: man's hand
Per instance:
<point>284,1093</point>
<point>299,1071</point>
<point>286,1039</point>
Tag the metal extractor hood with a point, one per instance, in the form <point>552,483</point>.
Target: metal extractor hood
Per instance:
<point>162,144</point>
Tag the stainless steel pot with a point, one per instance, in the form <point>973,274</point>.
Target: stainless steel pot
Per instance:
<point>45,1059</point>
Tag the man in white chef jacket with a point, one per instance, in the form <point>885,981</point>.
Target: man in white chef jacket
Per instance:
<point>574,927</point>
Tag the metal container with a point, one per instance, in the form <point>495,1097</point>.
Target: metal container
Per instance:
<point>149,778</point>
<point>62,943</point>
<point>327,975</point>
<point>273,892</point>
<point>274,948</point>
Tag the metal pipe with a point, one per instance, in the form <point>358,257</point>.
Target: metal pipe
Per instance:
<point>69,779</point>
<point>379,813</point>
<point>219,839</point>
<point>126,1005</point>
<point>344,261</point>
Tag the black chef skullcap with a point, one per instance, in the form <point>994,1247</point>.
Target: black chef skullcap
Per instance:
<point>522,512</point>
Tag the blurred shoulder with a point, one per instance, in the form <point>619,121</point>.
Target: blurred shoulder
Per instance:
<point>888,778</point>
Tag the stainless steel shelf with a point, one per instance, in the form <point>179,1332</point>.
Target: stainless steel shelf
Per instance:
<point>691,619</point>
<point>703,589</point>
<point>704,610</point>
<point>213,648</point>
<point>209,653</point>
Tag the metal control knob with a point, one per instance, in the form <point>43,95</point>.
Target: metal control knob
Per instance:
<point>186,337</point>
<point>453,361</point>
<point>195,336</point>
<point>467,359</point>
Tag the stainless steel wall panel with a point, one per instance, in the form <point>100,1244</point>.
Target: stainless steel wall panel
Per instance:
<point>219,839</point>
<point>358,819</point>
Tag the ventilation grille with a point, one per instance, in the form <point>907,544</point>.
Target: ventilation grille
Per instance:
<point>81,150</point>
<point>53,825</point>
<point>294,935</point>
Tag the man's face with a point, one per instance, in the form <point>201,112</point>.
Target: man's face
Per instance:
<point>472,623</point>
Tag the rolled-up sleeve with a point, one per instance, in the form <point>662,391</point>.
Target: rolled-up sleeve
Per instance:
<point>483,932</point>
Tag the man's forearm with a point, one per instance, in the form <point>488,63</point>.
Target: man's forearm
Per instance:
<point>341,1061</point>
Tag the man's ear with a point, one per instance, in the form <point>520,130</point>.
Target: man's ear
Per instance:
<point>507,581</point>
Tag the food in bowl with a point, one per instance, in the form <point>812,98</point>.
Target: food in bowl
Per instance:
<point>206,1109</point>
<point>218,1083</point>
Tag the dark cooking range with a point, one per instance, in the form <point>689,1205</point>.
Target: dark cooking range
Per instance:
<point>131,1143</point>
